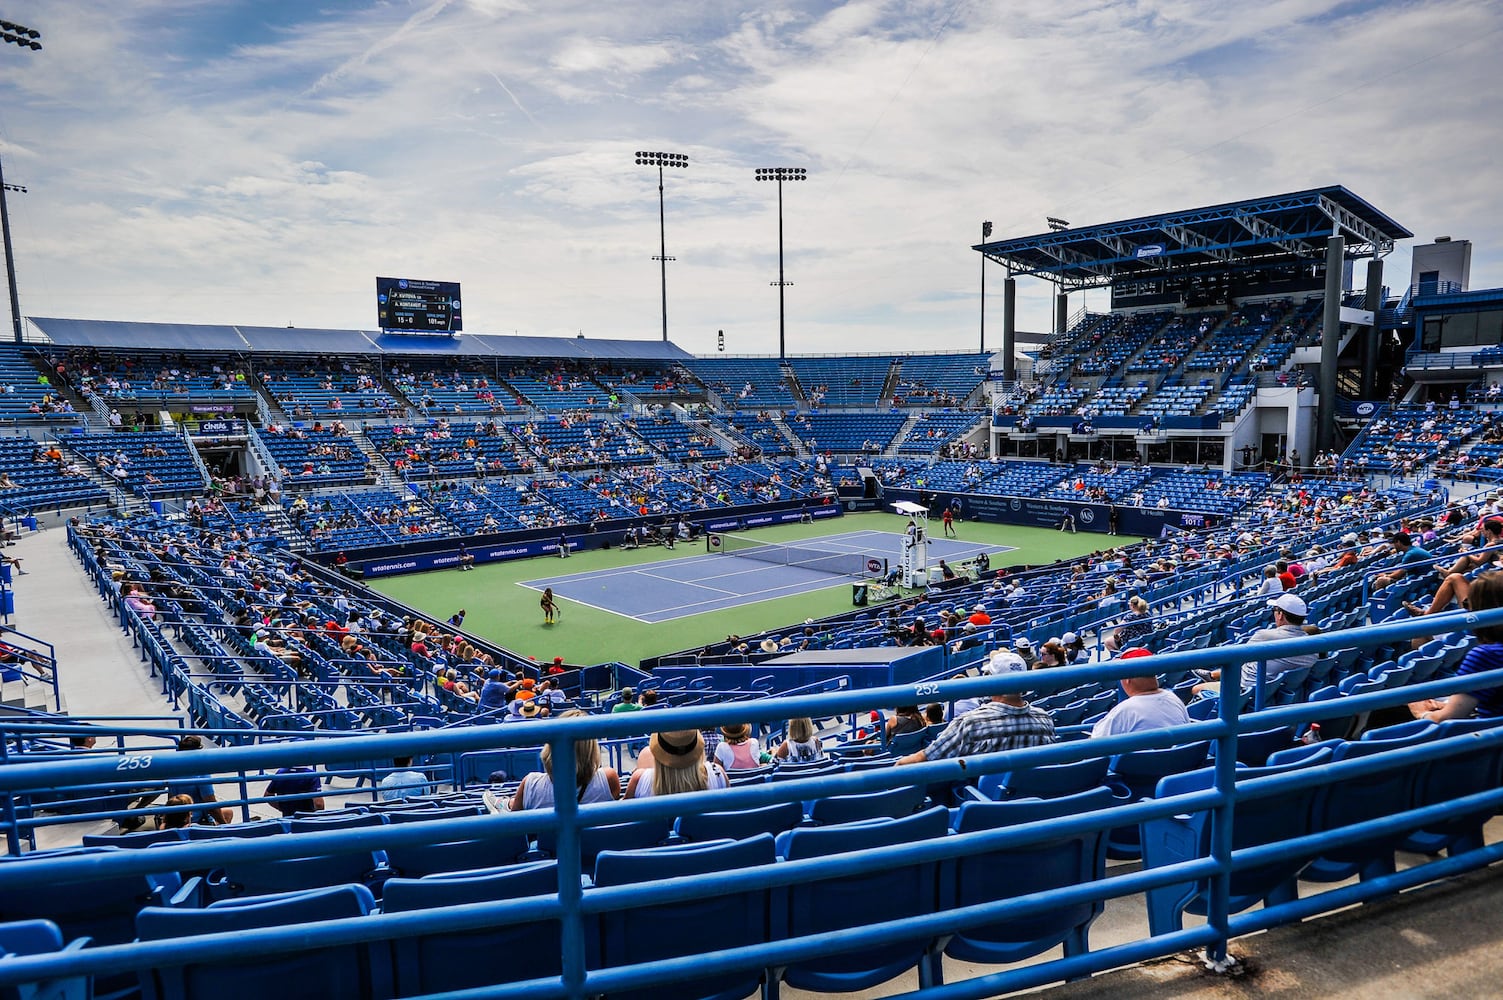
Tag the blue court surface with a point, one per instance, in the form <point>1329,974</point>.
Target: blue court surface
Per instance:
<point>677,588</point>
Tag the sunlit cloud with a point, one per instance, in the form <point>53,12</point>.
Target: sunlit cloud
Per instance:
<point>260,162</point>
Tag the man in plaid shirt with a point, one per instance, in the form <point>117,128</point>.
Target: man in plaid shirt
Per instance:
<point>1006,722</point>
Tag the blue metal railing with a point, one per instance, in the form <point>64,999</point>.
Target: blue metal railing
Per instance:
<point>573,907</point>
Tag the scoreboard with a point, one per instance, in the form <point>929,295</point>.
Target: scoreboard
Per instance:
<point>404,304</point>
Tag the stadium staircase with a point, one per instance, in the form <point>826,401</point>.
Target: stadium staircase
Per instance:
<point>902,435</point>
<point>890,385</point>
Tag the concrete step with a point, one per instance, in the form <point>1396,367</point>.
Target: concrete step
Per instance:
<point>31,695</point>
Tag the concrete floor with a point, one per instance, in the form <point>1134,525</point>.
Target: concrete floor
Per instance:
<point>1441,940</point>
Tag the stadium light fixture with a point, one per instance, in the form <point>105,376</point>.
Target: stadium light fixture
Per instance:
<point>26,38</point>
<point>781,174</point>
<point>1055,225</point>
<point>661,160</point>
<point>18,34</point>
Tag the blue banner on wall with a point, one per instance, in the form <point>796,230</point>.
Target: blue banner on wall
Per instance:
<point>440,555</point>
<point>1145,521</point>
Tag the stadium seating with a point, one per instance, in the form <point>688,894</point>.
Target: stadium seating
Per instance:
<point>745,383</point>
<point>317,456</point>
<point>155,463</point>
<point>30,480</point>
<point>930,380</point>
<point>27,395</point>
<point>334,391</point>
<point>935,431</point>
<point>851,381</point>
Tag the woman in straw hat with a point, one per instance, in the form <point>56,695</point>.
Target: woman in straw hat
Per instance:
<point>678,766</point>
<point>592,781</point>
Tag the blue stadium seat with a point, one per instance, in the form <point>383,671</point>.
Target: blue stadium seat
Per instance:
<point>725,920</point>
<point>457,960</point>
<point>40,937</point>
<point>1266,820</point>
<point>354,970</point>
<point>894,893</point>
<point>739,825</point>
<point>1052,862</point>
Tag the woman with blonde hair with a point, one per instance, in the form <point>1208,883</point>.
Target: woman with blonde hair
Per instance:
<point>593,782</point>
<point>801,744</point>
<point>1134,626</point>
<point>678,766</point>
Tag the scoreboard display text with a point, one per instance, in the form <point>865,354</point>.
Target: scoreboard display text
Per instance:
<point>419,306</point>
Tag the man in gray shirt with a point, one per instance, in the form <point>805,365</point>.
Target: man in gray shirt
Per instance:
<point>1289,611</point>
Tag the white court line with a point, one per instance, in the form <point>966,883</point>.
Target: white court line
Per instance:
<point>792,590</point>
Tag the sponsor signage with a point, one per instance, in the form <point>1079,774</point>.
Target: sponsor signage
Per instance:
<point>211,408</point>
<point>1358,317</point>
<point>217,427</point>
<point>1151,250</point>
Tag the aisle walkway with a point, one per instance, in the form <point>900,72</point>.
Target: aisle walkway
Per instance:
<point>100,673</point>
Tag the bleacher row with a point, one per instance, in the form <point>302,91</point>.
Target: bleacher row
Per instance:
<point>1029,833</point>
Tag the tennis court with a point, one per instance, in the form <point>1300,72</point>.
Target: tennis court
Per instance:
<point>677,588</point>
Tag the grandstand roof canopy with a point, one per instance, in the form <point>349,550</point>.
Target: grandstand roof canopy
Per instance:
<point>126,336</point>
<point>1239,235</point>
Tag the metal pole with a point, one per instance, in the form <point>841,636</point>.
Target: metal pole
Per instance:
<point>10,261</point>
<point>663,251</point>
<point>782,328</point>
<point>983,303</point>
<point>986,232</point>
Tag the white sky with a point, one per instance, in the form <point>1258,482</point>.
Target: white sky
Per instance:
<point>261,161</point>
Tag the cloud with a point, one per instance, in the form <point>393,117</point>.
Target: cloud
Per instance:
<point>262,167</point>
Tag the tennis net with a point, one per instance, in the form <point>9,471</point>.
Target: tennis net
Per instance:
<point>820,560</point>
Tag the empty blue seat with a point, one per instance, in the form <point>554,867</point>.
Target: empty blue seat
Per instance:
<point>741,824</point>
<point>1053,862</point>
<point>353,970</point>
<point>722,920</point>
<point>457,960</point>
<point>1046,781</point>
<point>889,803</point>
<point>894,893</point>
<point>40,937</point>
<point>1266,820</point>
<point>1135,775</point>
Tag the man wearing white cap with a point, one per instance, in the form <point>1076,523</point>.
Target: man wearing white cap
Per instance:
<point>1005,722</point>
<point>1289,611</point>
<point>1024,648</point>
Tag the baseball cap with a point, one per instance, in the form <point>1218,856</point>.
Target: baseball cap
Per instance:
<point>979,607</point>
<point>1291,603</point>
<point>1136,652</point>
<point>1021,642</point>
<point>1005,662</point>
<point>1068,638</point>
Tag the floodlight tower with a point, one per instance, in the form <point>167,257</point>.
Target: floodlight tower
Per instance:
<point>986,232</point>
<point>26,38</point>
<point>661,160</point>
<point>781,174</point>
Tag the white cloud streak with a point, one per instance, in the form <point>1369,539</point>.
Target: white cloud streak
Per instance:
<point>184,168</point>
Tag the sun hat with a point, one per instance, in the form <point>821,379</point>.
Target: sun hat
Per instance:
<point>683,748</point>
<point>529,709</point>
<point>736,731</point>
<point>1291,604</point>
<point>769,645</point>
